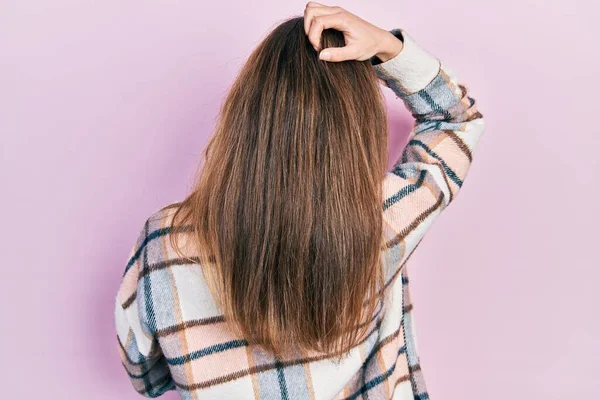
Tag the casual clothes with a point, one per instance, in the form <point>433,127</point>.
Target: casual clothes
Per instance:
<point>172,336</point>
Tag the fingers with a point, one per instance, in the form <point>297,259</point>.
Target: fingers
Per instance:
<point>317,18</point>
<point>337,54</point>
<point>309,13</point>
<point>322,22</point>
<point>315,4</point>
<point>314,10</point>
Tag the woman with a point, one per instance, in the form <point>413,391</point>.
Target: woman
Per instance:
<point>282,274</point>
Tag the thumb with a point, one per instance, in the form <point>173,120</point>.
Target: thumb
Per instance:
<point>338,53</point>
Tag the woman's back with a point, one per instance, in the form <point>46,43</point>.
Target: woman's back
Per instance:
<point>199,352</point>
<point>172,334</point>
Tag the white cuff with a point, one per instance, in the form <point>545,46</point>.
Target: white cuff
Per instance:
<point>412,69</point>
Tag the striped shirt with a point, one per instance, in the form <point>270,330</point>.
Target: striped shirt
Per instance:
<point>172,336</point>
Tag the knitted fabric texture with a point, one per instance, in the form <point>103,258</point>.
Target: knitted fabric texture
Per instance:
<point>172,336</point>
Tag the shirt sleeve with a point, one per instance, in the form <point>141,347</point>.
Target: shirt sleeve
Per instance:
<point>138,346</point>
<point>434,164</point>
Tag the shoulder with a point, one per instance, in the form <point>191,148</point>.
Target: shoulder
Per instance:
<point>163,215</point>
<point>155,230</point>
<point>160,220</point>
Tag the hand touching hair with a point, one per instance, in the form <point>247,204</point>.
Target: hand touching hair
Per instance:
<point>363,39</point>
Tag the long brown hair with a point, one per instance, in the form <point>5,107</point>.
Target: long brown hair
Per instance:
<point>286,210</point>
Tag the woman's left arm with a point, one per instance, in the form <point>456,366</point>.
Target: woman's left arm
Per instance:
<point>140,352</point>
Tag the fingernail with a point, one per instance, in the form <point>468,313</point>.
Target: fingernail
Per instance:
<point>324,55</point>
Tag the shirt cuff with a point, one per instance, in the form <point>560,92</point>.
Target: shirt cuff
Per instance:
<point>411,69</point>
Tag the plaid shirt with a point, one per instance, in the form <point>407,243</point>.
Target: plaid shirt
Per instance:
<point>171,335</point>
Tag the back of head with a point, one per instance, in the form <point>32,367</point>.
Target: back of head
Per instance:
<point>287,208</point>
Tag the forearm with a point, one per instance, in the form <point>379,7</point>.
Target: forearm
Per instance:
<point>447,122</point>
<point>389,46</point>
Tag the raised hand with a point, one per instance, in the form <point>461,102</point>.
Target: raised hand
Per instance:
<point>363,39</point>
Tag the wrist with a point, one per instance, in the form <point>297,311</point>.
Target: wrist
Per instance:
<point>413,69</point>
<point>389,46</point>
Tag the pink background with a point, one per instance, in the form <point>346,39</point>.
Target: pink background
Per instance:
<point>106,106</point>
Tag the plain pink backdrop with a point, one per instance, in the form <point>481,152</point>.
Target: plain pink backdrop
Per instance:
<point>105,108</point>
